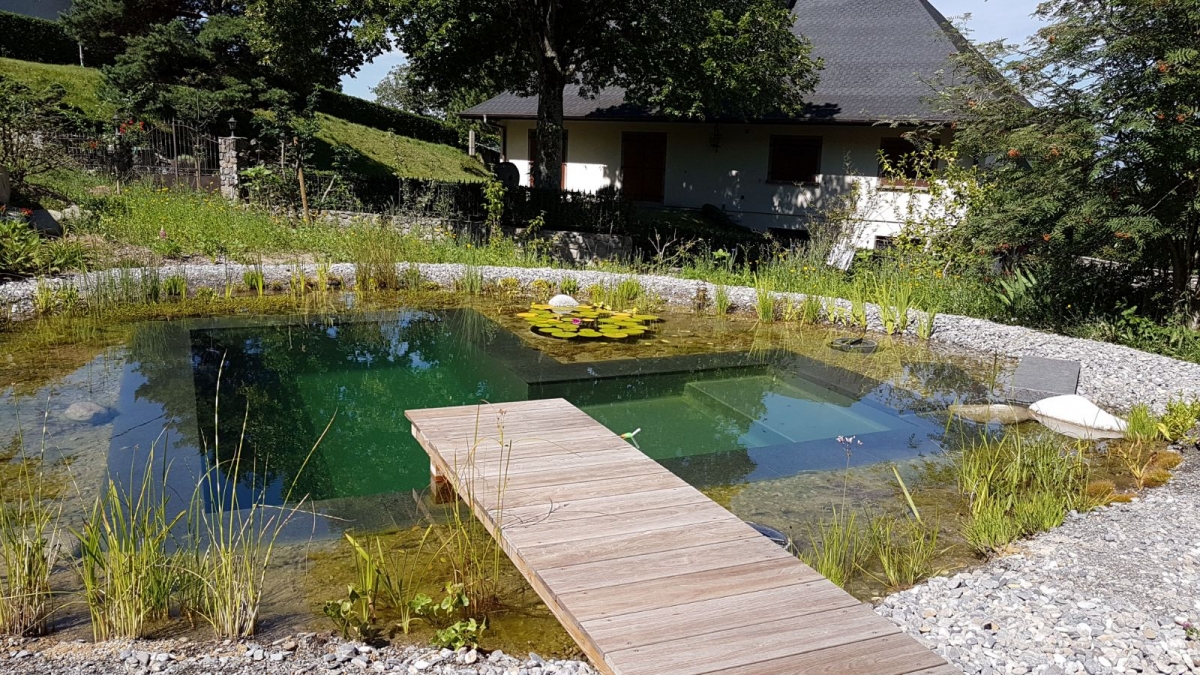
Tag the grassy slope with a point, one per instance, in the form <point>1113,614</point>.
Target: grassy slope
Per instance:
<point>390,154</point>
<point>80,83</point>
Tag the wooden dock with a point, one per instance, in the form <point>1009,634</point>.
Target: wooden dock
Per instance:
<point>647,574</point>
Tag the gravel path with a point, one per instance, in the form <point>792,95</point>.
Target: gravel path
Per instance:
<point>1111,591</point>
<point>1111,375</point>
<point>304,653</point>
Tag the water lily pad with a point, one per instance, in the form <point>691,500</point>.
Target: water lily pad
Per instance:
<point>562,335</point>
<point>645,317</point>
<point>616,335</point>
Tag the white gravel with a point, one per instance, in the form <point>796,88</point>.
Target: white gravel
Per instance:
<point>1112,375</point>
<point>304,653</point>
<point>1110,591</point>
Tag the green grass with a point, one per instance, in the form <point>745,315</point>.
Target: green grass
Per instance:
<point>398,155</point>
<point>384,153</point>
<point>80,83</point>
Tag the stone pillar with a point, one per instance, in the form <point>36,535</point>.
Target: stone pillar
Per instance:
<point>229,147</point>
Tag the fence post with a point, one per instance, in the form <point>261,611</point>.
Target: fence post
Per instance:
<point>229,165</point>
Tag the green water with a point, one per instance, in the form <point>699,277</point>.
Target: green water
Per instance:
<point>717,419</point>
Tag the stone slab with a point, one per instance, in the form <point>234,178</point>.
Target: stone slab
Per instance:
<point>1038,378</point>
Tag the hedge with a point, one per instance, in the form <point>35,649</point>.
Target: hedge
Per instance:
<point>32,39</point>
<point>370,114</point>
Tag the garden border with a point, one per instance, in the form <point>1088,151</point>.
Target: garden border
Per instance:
<point>1112,375</point>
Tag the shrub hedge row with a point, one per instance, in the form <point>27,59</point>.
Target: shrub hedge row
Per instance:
<point>32,39</point>
<point>371,114</point>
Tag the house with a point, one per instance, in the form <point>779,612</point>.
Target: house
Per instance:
<point>777,173</point>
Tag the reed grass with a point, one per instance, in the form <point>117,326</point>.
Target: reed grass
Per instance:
<point>721,302</point>
<point>835,546</point>
<point>31,530</point>
<point>1018,485</point>
<point>1141,424</point>
<point>233,543</point>
<point>471,281</point>
<point>905,549</point>
<point>124,565</point>
<point>764,300</point>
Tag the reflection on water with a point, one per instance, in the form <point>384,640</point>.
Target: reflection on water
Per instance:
<point>748,414</point>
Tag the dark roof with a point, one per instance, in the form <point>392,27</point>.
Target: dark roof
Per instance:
<point>878,54</point>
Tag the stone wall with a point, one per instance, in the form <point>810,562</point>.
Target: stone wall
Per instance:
<point>229,147</point>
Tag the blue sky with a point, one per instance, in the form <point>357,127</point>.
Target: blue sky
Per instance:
<point>990,19</point>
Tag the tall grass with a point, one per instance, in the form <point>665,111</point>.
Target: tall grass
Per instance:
<point>721,302</point>
<point>764,299</point>
<point>1017,485</point>
<point>126,570</point>
<point>231,544</point>
<point>835,546</point>
<point>30,544</point>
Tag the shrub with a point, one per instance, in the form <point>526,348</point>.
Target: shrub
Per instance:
<point>371,114</point>
<point>29,38</point>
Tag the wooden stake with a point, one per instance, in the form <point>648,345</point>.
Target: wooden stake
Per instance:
<point>300,175</point>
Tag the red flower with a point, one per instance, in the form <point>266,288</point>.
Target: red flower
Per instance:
<point>1045,237</point>
<point>28,213</point>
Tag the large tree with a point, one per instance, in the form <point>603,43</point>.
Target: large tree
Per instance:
<point>683,58</point>
<point>1093,139</point>
<point>198,58</point>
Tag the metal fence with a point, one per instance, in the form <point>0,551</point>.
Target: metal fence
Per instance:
<point>170,154</point>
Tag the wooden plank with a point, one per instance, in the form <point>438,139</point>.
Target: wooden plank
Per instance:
<point>616,600</point>
<point>717,650</point>
<point>635,543</point>
<point>648,566</point>
<point>889,655</point>
<point>674,622</point>
<point>647,574</point>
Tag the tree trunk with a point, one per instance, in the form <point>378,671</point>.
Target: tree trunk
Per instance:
<point>551,80</point>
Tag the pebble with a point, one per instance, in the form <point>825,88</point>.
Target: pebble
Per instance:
<point>1068,602</point>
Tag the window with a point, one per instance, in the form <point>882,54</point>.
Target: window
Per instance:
<point>905,161</point>
<point>794,159</point>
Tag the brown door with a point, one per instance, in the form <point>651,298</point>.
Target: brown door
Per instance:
<point>533,147</point>
<point>643,166</point>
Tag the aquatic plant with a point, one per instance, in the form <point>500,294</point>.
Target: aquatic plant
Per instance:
<point>764,300</point>
<point>568,286</point>
<point>835,546</point>
<point>175,286</point>
<point>254,280</point>
<point>30,544</point>
<point>586,322</point>
<point>1142,425</point>
<point>721,300</point>
<point>471,281</point>
<point>1017,485</point>
<point>232,542</point>
<point>1180,417</point>
<point>926,322</point>
<point>508,287</point>
<point>542,289</point>
<point>904,549</point>
<point>126,571</point>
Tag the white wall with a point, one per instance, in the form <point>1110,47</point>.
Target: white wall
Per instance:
<point>734,175</point>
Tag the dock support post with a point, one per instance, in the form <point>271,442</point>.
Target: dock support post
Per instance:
<point>439,486</point>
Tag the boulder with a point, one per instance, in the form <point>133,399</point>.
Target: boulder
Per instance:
<point>987,414</point>
<point>1077,417</point>
<point>87,411</point>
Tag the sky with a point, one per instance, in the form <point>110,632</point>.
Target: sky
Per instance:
<point>990,20</point>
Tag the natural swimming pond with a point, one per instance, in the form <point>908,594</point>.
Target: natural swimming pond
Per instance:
<point>750,414</point>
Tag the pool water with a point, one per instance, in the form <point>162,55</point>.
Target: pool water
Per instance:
<point>273,387</point>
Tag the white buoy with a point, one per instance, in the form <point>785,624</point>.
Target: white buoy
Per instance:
<point>1077,417</point>
<point>563,304</point>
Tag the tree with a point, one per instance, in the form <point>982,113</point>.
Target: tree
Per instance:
<point>693,59</point>
<point>30,122</point>
<point>170,58</point>
<point>399,90</point>
<point>1093,136</point>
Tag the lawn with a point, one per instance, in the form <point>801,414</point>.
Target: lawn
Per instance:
<point>383,153</point>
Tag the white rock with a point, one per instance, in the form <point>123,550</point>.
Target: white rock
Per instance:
<point>86,411</point>
<point>1077,417</point>
<point>563,303</point>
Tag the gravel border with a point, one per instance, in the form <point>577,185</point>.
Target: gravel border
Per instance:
<point>302,653</point>
<point>1112,375</point>
<point>1109,591</point>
